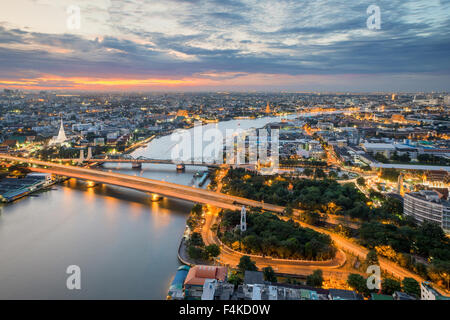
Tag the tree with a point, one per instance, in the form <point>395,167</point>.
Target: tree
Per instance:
<point>380,157</point>
<point>393,206</point>
<point>252,243</point>
<point>358,282</point>
<point>213,250</point>
<point>196,240</point>
<point>389,286</point>
<point>371,258</point>
<point>267,234</point>
<point>192,223</point>
<point>361,181</point>
<point>440,271</point>
<point>308,172</point>
<point>288,211</point>
<point>411,287</point>
<point>390,174</point>
<point>246,264</point>
<point>405,157</point>
<point>197,209</point>
<point>430,236</point>
<point>320,173</point>
<point>235,279</point>
<point>195,252</point>
<point>315,279</point>
<point>332,175</point>
<point>421,269</point>
<point>269,274</point>
<point>312,217</point>
<point>404,260</point>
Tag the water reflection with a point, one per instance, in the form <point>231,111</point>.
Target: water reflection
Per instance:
<point>125,244</point>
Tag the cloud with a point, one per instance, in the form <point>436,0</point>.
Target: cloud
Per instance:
<point>184,39</point>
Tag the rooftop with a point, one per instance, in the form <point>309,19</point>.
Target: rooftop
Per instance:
<point>198,274</point>
<point>388,146</point>
<point>338,294</point>
<point>376,296</point>
<point>253,277</point>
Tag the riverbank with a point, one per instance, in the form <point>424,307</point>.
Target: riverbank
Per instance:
<point>12,189</point>
<point>184,258</point>
<point>139,144</point>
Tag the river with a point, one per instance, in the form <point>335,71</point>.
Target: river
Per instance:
<point>125,245</point>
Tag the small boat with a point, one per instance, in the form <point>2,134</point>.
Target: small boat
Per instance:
<point>203,179</point>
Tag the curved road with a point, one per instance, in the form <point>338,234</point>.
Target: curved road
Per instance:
<point>296,267</point>
<point>206,197</point>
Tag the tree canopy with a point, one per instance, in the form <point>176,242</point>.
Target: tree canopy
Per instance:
<point>315,279</point>
<point>247,264</point>
<point>269,235</point>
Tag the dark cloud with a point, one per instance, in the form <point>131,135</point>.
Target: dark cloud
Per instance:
<point>283,37</point>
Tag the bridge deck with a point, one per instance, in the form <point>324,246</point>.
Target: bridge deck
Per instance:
<point>157,161</point>
<point>144,184</point>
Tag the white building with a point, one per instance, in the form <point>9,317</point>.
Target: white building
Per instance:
<point>426,205</point>
<point>61,138</point>
<point>427,292</point>
<point>384,148</point>
<point>209,288</point>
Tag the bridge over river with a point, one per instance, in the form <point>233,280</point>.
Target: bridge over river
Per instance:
<point>193,194</point>
<point>162,188</point>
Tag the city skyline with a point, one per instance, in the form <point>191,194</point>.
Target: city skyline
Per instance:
<point>350,177</point>
<point>224,45</point>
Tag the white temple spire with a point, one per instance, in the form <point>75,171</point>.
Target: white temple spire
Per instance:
<point>61,134</point>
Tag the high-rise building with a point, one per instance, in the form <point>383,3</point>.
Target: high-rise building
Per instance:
<point>426,205</point>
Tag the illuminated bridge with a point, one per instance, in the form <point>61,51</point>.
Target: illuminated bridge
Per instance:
<point>137,163</point>
<point>143,184</point>
<point>197,195</point>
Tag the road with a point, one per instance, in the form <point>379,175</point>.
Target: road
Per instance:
<point>143,184</point>
<point>361,252</point>
<point>216,199</point>
<point>231,258</point>
<point>154,161</point>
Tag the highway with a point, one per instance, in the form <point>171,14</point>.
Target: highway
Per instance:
<point>144,184</point>
<point>155,161</point>
<point>212,198</point>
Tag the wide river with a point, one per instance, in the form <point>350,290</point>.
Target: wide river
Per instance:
<point>125,245</point>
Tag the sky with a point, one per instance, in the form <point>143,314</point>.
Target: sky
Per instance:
<point>232,45</point>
